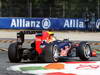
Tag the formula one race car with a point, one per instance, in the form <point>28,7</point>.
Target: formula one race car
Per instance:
<point>46,48</point>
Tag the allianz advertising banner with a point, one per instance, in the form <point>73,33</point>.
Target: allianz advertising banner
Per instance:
<point>42,23</point>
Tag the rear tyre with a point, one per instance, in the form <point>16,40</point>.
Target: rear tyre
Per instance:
<point>51,53</point>
<point>84,51</point>
<point>13,53</point>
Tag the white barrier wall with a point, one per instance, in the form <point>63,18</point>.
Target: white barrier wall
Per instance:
<point>71,35</point>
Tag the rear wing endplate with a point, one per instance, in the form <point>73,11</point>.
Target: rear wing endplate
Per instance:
<point>20,35</point>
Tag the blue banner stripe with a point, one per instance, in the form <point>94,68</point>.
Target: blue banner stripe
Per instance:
<point>47,23</point>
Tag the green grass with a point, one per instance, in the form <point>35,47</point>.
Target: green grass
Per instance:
<point>32,68</point>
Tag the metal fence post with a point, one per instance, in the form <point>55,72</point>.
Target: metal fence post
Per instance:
<point>98,8</point>
<point>30,8</point>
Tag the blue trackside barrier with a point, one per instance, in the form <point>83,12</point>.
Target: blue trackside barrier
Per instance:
<point>48,23</point>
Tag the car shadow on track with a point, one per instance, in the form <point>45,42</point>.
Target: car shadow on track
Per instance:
<point>75,59</point>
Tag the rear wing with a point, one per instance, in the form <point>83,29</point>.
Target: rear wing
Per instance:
<point>29,32</point>
<point>20,35</point>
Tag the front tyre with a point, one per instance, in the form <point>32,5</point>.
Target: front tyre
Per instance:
<point>84,51</point>
<point>51,53</point>
<point>13,53</point>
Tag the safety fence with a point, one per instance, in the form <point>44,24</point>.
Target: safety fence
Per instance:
<point>49,23</point>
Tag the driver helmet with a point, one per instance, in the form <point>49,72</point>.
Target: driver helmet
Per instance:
<point>51,33</point>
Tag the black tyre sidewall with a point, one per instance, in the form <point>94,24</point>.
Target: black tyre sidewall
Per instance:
<point>13,53</point>
<point>47,54</point>
<point>81,53</point>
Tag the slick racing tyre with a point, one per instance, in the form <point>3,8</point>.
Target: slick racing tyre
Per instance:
<point>51,53</point>
<point>84,51</point>
<point>13,53</point>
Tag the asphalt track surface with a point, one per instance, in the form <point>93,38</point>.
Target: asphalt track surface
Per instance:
<point>4,61</point>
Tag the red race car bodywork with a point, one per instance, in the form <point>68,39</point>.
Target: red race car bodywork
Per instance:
<point>39,39</point>
<point>46,50</point>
